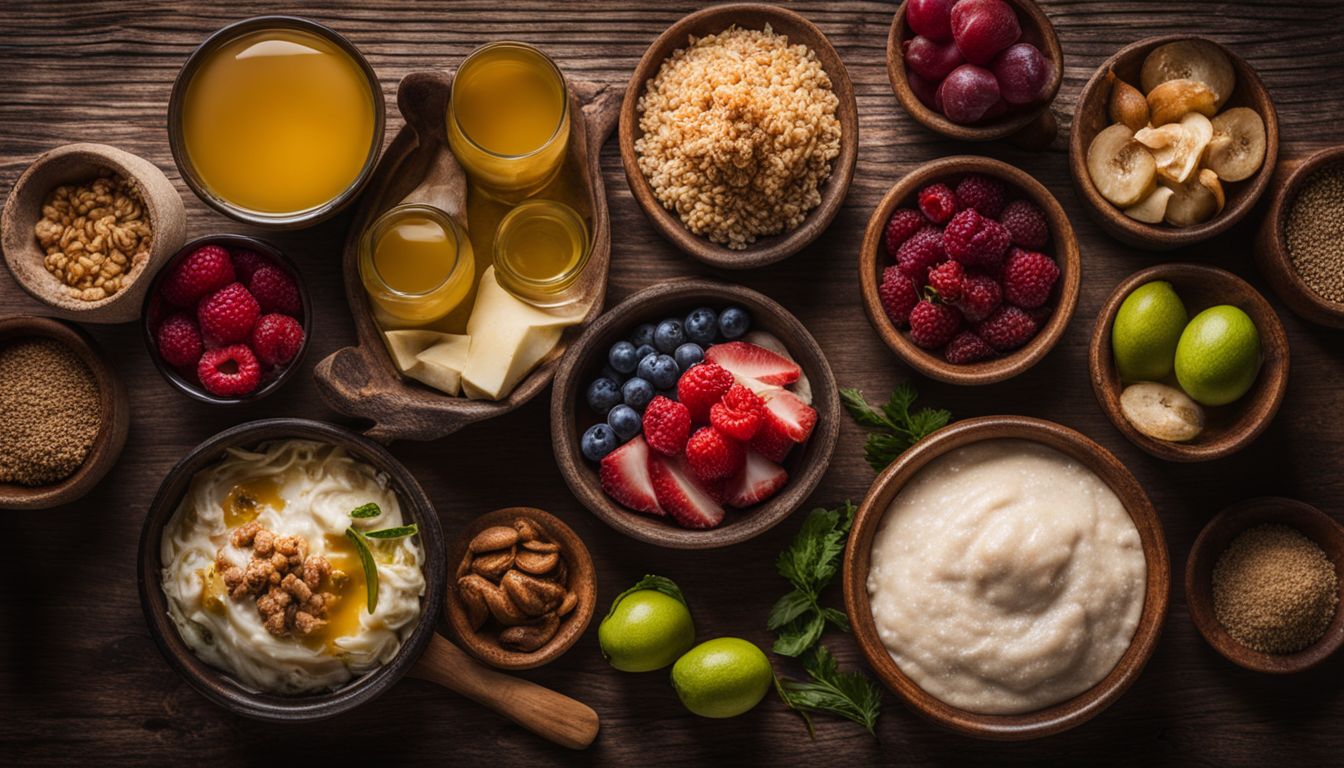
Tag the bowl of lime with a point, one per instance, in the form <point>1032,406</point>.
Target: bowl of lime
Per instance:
<point>1189,362</point>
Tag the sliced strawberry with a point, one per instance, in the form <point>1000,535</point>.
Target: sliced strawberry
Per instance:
<point>759,479</point>
<point>798,418</point>
<point>772,438</point>
<point>688,503</point>
<point>625,477</point>
<point>748,361</point>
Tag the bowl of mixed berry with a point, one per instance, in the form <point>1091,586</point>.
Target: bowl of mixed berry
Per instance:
<point>969,270</point>
<point>227,320</point>
<point>694,414</point>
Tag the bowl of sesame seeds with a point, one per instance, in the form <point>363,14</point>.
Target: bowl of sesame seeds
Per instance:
<point>1297,249</point>
<point>65,413</point>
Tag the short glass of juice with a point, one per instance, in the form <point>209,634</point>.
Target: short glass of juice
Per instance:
<point>416,264</point>
<point>508,119</point>
<point>541,248</point>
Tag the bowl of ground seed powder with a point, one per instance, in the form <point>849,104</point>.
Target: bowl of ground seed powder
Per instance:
<point>1300,248</point>
<point>738,134</point>
<point>65,414</point>
<point>1264,583</point>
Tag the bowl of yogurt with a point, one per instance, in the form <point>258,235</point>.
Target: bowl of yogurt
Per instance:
<point>1007,577</point>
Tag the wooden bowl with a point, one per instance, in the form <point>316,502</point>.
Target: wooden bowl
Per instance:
<point>191,386</point>
<point>1227,428</point>
<point>582,582</point>
<point>1057,717</point>
<point>114,418</point>
<point>1090,118</point>
<point>1032,126</point>
<point>1209,546</point>
<point>1063,247</point>
<point>1271,246</point>
<point>766,250</point>
<point>74,164</point>
<point>585,359</point>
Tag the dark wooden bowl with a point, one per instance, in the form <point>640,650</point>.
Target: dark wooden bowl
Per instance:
<point>1271,245</point>
<point>584,361</point>
<point>1063,247</point>
<point>766,250</point>
<point>190,386</point>
<point>1209,546</point>
<point>1090,118</point>
<point>1057,717</point>
<point>1227,428</point>
<point>1032,126</point>
<point>582,582</point>
<point>115,416</point>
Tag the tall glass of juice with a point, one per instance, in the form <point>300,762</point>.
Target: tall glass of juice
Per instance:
<point>416,264</point>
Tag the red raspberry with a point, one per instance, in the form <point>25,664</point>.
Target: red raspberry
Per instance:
<point>899,295</point>
<point>227,315</point>
<point>902,224</point>
<point>966,347</point>
<point>947,279</point>
<point>1028,278</point>
<point>1025,224</point>
<point>982,193</point>
<point>738,415</point>
<point>701,386</point>
<point>937,203</point>
<point>277,339</point>
<point>179,341</point>
<point>275,290</point>
<point>933,325</point>
<point>204,271</point>
<point>229,371</point>
<point>1007,329</point>
<point>975,240</point>
<point>980,295</point>
<point>667,425</point>
<point>246,264</point>
<point>714,456</point>
<point>923,250</point>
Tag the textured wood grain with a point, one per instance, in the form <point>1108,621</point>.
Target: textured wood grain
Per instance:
<point>80,679</point>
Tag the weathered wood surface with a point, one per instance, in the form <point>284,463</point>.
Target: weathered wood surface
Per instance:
<point>81,681</point>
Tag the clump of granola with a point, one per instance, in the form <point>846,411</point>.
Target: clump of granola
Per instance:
<point>287,583</point>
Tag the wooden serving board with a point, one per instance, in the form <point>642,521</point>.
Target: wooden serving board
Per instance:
<point>362,380</point>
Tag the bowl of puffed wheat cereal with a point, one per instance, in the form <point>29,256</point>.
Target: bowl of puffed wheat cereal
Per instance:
<point>86,226</point>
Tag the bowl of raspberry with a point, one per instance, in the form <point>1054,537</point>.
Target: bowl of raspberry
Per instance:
<point>227,320</point>
<point>694,415</point>
<point>977,70</point>
<point>969,270</point>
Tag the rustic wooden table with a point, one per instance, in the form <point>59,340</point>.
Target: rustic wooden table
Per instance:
<point>80,679</point>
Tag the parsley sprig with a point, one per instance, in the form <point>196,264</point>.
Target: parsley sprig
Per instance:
<point>850,695</point>
<point>899,428</point>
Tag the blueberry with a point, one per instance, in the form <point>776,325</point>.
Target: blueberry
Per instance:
<point>602,395</point>
<point>734,322</point>
<point>637,393</point>
<point>668,336</point>
<point>645,369</point>
<point>702,325</point>
<point>598,441</point>
<point>663,372</point>
<point>644,351</point>
<point>643,335</point>
<point>623,357</point>
<point>625,421</point>
<point>688,354</point>
<point>611,373</point>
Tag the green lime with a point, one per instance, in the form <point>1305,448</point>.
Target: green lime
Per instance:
<point>723,677</point>
<point>1146,329</point>
<point>645,630</point>
<point>1218,356</point>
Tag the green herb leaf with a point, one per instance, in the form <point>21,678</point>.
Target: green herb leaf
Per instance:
<point>394,533</point>
<point>366,510</point>
<point>656,583</point>
<point>809,563</point>
<point>850,695</point>
<point>836,618</point>
<point>898,428</point>
<point>788,608</point>
<point>800,634</point>
<point>370,567</point>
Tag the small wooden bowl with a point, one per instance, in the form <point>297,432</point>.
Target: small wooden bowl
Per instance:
<point>1227,428</point>
<point>74,164</point>
<point>114,407</point>
<point>1031,126</point>
<point>1209,546</point>
<point>193,388</point>
<point>1271,246</point>
<point>1091,118</point>
<point>582,582</point>
<point>585,359</point>
<point>1063,247</point>
<point>1057,717</point>
<point>766,250</point>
